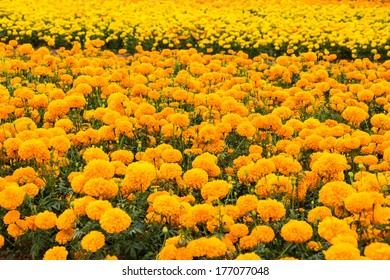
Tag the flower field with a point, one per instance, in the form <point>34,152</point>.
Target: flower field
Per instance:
<point>194,130</point>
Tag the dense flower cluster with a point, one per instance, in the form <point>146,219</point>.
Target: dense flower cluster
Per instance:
<point>182,154</point>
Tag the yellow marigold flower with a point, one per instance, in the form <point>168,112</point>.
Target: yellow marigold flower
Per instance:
<point>342,251</point>
<point>199,213</point>
<point>264,234</point>
<point>239,230</point>
<point>93,241</point>
<point>124,156</point>
<point>58,108</point>
<point>272,184</point>
<point>11,217</point>
<point>34,149</point>
<point>65,235</point>
<point>381,215</point>
<point>330,227</point>
<point>318,213</point>
<point>329,165</point>
<point>94,153</point>
<point>99,168</point>
<point>60,143</point>
<point>11,197</point>
<point>210,247</point>
<point>179,120</point>
<point>170,171</point>
<point>315,246</point>
<point>248,242</point>
<point>96,209</point>
<point>56,253</point>
<point>115,220</point>
<point>208,163</point>
<point>354,115</point>
<point>2,241</point>
<point>246,129</point>
<point>111,258</point>
<point>166,205</point>
<point>46,220</point>
<point>248,256</point>
<point>31,189</point>
<point>333,193</point>
<point>377,251</point>
<point>296,231</point>
<point>215,190</point>
<point>247,203</point>
<point>171,156</point>
<point>168,252</point>
<point>66,219</point>
<point>99,187</point>
<point>80,205</point>
<point>341,238</point>
<point>270,209</point>
<point>359,202</point>
<point>195,178</point>
<point>139,176</point>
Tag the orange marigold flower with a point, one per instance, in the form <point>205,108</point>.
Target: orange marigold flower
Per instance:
<point>166,205</point>
<point>169,171</point>
<point>58,108</point>
<point>115,220</point>
<point>210,247</point>
<point>80,205</point>
<point>171,156</point>
<point>94,153</point>
<point>334,193</point>
<point>11,197</point>
<point>99,168</point>
<point>195,178</point>
<point>215,190</point>
<point>247,203</point>
<point>46,220</point>
<point>354,115</point>
<point>99,187</point>
<point>248,256</point>
<point>296,231</point>
<point>246,129</point>
<point>359,202</point>
<point>65,235</point>
<point>34,149</point>
<point>139,176</point>
<point>377,251</point>
<point>270,209</point>
<point>124,156</point>
<point>264,234</point>
<point>56,253</point>
<point>342,251</point>
<point>66,219</point>
<point>239,230</point>
<point>329,165</point>
<point>318,213</point>
<point>93,241</point>
<point>330,227</point>
<point>96,209</point>
<point>248,242</point>
<point>11,217</point>
<point>208,163</point>
<point>2,241</point>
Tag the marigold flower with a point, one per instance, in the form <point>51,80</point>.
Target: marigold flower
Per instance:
<point>80,205</point>
<point>93,241</point>
<point>210,247</point>
<point>208,163</point>
<point>334,193</point>
<point>166,205</point>
<point>34,149</point>
<point>359,202</point>
<point>66,219</point>
<point>195,178</point>
<point>318,214</point>
<point>31,189</point>
<point>11,217</point>
<point>139,176</point>
<point>377,251</point>
<point>248,242</point>
<point>329,165</point>
<point>215,190</point>
<point>170,171</point>
<point>65,235</point>
<point>99,168</point>
<point>115,220</point>
<point>296,231</point>
<point>342,251</point>
<point>247,203</point>
<point>99,187</point>
<point>354,115</point>
<point>46,220</point>
<point>248,256</point>
<point>11,197</point>
<point>56,253</point>
<point>2,241</point>
<point>171,156</point>
<point>124,156</point>
<point>264,234</point>
<point>96,209</point>
<point>239,230</point>
<point>94,153</point>
<point>270,209</point>
<point>330,227</point>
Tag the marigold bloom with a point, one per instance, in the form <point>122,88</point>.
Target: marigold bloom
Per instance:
<point>354,115</point>
<point>11,197</point>
<point>99,187</point>
<point>96,209</point>
<point>195,178</point>
<point>210,247</point>
<point>264,234</point>
<point>11,217</point>
<point>318,213</point>
<point>93,241</point>
<point>124,156</point>
<point>215,190</point>
<point>330,227</point>
<point>34,149</point>
<point>166,205</point>
<point>139,176</point>
<point>333,193</point>
<point>65,235</point>
<point>170,171</point>
<point>208,163</point>
<point>329,165</point>
<point>56,253</point>
<point>359,202</point>
<point>115,220</point>
<point>46,220</point>
<point>342,251</point>
<point>1,241</point>
<point>239,230</point>
<point>296,231</point>
<point>99,168</point>
<point>80,205</point>
<point>247,203</point>
<point>248,256</point>
<point>66,219</point>
<point>248,242</point>
<point>377,251</point>
<point>270,209</point>
<point>171,156</point>
<point>94,153</point>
